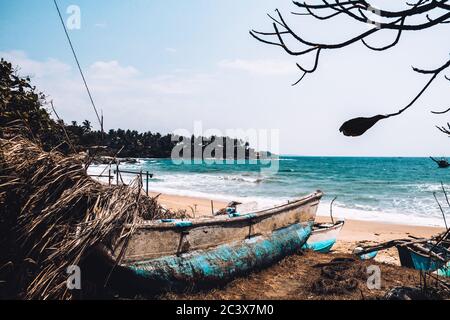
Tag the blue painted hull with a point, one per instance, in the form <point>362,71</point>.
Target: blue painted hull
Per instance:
<point>368,256</point>
<point>444,271</point>
<point>411,259</point>
<point>320,246</point>
<point>425,263</point>
<point>223,262</point>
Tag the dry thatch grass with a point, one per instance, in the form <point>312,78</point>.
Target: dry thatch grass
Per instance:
<point>52,214</point>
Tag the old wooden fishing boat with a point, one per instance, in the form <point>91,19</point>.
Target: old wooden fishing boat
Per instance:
<point>324,236</point>
<point>200,252</point>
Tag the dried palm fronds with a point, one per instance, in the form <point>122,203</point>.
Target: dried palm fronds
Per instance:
<point>52,214</point>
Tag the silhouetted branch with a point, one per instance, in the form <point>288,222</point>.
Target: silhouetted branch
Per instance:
<point>413,18</point>
<point>440,112</point>
<point>444,129</point>
<point>359,126</point>
<point>358,10</point>
<point>397,39</point>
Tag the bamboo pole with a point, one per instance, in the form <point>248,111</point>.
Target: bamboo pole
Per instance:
<point>117,173</point>
<point>148,177</point>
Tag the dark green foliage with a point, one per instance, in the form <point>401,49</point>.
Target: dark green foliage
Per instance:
<point>22,111</point>
<point>145,145</point>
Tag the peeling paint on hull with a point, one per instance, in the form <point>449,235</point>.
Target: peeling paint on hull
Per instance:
<point>224,262</point>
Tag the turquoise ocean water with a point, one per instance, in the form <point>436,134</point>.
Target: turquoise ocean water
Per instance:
<point>383,189</point>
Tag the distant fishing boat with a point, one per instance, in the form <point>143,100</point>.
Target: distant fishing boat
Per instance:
<point>181,253</point>
<point>442,163</point>
<point>324,236</point>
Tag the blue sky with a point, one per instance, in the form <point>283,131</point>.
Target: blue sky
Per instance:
<point>136,32</point>
<point>161,65</point>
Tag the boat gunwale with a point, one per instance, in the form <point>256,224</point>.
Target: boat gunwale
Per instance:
<point>337,225</point>
<point>423,254</point>
<point>225,220</point>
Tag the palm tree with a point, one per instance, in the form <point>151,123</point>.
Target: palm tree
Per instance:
<point>87,127</point>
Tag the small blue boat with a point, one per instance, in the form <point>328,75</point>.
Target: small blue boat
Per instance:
<point>175,254</point>
<point>324,236</point>
<point>426,257</point>
<point>368,256</point>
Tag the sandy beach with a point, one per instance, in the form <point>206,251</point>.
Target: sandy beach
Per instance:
<point>354,233</point>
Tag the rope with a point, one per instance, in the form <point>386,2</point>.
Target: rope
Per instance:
<point>100,119</point>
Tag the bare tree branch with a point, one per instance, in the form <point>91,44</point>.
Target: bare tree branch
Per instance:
<point>362,12</point>
<point>440,112</point>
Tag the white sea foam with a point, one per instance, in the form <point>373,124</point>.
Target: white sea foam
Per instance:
<point>220,186</point>
<point>380,216</point>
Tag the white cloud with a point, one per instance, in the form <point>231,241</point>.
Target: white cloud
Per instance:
<point>129,98</point>
<point>112,70</point>
<point>40,69</point>
<point>100,25</point>
<point>171,50</point>
<point>260,66</point>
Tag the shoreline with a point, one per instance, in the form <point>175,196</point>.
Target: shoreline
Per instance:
<point>355,232</point>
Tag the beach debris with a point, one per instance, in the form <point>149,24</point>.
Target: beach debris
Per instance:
<point>412,293</point>
<point>328,287</point>
<point>339,276</point>
<point>426,255</point>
